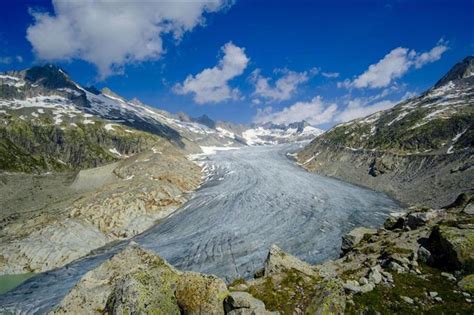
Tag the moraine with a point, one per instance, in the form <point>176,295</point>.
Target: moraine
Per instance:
<point>254,197</point>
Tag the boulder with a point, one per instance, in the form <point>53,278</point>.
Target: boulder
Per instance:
<point>330,299</point>
<point>467,283</point>
<point>392,223</point>
<point>396,267</point>
<point>375,276</point>
<point>200,294</point>
<point>354,237</point>
<point>142,292</point>
<point>243,303</point>
<point>352,286</point>
<point>278,261</point>
<point>423,254</point>
<point>452,248</point>
<point>469,209</point>
<point>417,219</point>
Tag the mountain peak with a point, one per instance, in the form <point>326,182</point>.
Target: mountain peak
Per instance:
<point>108,92</point>
<point>136,101</point>
<point>49,75</point>
<point>461,70</point>
<point>206,121</point>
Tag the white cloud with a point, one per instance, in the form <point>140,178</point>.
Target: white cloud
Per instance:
<point>315,112</point>
<point>318,112</point>
<point>283,88</point>
<point>110,34</point>
<point>212,84</point>
<point>431,56</point>
<point>393,66</point>
<point>357,108</point>
<point>330,74</point>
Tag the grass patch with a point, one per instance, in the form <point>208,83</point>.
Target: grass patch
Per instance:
<point>386,300</point>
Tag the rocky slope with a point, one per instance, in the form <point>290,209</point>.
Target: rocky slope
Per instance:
<point>420,151</point>
<point>61,219</point>
<point>420,262</point>
<point>80,168</point>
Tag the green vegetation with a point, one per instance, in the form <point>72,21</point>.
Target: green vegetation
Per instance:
<point>387,300</point>
<point>39,145</point>
<point>405,136</point>
<point>291,290</point>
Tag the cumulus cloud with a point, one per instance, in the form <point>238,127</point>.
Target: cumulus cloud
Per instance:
<point>212,84</point>
<point>283,88</point>
<point>431,56</point>
<point>110,34</point>
<point>315,112</point>
<point>394,65</point>
<point>318,112</point>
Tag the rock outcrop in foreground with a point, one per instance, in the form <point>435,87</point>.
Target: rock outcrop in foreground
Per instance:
<point>136,281</point>
<point>420,262</point>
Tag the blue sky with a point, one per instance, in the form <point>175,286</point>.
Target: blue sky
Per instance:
<point>322,61</point>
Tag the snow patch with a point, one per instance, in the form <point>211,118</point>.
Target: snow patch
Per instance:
<point>114,151</point>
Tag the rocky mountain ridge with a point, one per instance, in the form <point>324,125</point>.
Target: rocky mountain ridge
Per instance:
<point>47,96</point>
<point>419,151</point>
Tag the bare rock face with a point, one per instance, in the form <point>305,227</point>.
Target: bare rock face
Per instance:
<point>291,286</point>
<point>138,191</point>
<point>53,245</point>
<point>453,246</point>
<point>200,294</point>
<point>412,151</point>
<point>278,261</point>
<point>353,238</point>
<point>135,281</point>
<point>243,303</point>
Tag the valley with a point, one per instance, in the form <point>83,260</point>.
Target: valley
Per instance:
<point>93,184</point>
<point>251,200</point>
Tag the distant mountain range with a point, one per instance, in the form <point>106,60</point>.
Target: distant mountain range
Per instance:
<point>49,122</point>
<point>421,150</point>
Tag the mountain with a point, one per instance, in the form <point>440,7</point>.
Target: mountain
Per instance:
<point>49,122</point>
<point>419,151</point>
<point>274,134</point>
<point>80,168</point>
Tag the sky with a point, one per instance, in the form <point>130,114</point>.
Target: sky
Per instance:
<point>245,61</point>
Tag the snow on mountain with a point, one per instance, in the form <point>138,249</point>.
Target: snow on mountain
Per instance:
<point>47,91</point>
<point>275,134</point>
<point>438,121</point>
